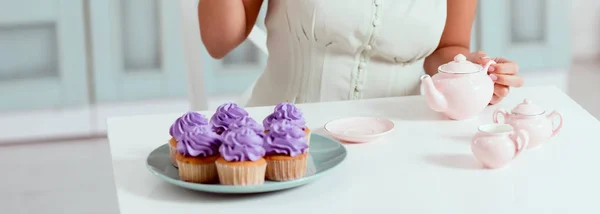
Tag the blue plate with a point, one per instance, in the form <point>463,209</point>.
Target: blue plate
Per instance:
<point>324,155</point>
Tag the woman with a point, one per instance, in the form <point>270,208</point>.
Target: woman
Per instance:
<point>329,50</point>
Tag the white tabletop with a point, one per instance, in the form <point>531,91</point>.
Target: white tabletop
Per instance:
<point>424,166</point>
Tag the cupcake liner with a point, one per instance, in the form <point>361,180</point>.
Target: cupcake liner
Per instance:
<point>240,174</point>
<point>173,152</point>
<point>311,168</point>
<point>285,168</point>
<point>307,131</point>
<point>198,173</point>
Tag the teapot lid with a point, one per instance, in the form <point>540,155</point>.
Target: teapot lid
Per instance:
<point>460,65</point>
<point>527,108</point>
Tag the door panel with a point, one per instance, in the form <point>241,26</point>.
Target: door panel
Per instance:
<point>22,11</point>
<point>138,50</point>
<point>42,54</point>
<point>534,33</point>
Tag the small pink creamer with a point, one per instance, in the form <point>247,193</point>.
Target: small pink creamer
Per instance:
<point>496,145</point>
<point>530,117</point>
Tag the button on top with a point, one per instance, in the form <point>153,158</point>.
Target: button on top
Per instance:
<point>358,88</point>
<point>368,47</point>
<point>362,65</point>
<point>376,22</point>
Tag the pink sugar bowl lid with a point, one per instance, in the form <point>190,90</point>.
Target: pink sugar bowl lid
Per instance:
<point>527,107</point>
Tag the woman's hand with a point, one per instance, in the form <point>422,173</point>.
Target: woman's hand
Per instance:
<point>504,74</point>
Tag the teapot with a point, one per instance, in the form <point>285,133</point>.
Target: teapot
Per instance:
<point>460,90</point>
<point>530,117</point>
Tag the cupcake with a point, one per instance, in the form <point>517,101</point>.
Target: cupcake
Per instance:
<point>286,151</point>
<point>180,126</point>
<point>249,123</point>
<point>241,162</point>
<point>225,115</point>
<point>197,151</point>
<point>287,111</point>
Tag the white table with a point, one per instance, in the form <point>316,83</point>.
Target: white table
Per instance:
<point>423,166</point>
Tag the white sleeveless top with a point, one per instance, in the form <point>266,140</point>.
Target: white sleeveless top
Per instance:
<point>331,50</point>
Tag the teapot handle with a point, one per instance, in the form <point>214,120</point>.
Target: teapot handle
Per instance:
<point>551,117</point>
<point>521,141</point>
<point>498,113</point>
<point>487,65</point>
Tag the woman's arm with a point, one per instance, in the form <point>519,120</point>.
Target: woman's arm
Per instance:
<point>456,37</point>
<point>225,24</point>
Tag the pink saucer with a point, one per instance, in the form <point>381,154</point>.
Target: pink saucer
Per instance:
<point>359,129</point>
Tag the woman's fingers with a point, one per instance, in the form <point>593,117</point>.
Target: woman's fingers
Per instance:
<point>501,90</point>
<point>479,57</point>
<point>504,72</point>
<point>495,99</point>
<point>506,67</point>
<point>501,60</point>
<point>507,79</point>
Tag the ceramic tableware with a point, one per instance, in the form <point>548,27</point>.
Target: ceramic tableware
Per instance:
<point>528,116</point>
<point>324,154</point>
<point>359,129</point>
<point>460,90</point>
<point>496,145</point>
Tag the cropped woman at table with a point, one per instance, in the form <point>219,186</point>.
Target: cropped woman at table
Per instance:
<point>330,50</point>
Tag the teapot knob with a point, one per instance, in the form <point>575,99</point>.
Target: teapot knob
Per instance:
<point>527,101</point>
<point>460,58</point>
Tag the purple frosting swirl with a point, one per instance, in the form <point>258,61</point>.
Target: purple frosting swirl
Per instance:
<point>186,122</point>
<point>285,111</point>
<point>200,141</point>
<point>242,144</point>
<point>225,115</point>
<point>247,122</point>
<point>285,138</point>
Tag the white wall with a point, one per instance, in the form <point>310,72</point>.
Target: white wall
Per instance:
<point>585,28</point>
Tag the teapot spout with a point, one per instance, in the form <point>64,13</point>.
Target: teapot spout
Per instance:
<point>435,99</point>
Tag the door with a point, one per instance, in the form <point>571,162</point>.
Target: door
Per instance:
<point>42,54</point>
<point>137,50</point>
<point>534,33</point>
